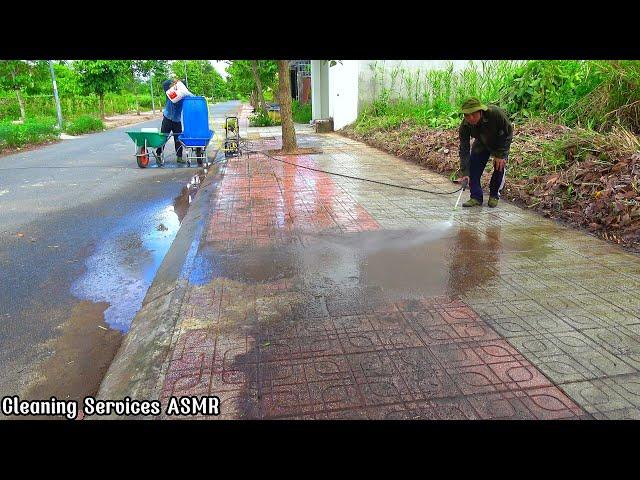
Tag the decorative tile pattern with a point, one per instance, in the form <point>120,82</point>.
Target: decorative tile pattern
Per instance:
<point>527,342</point>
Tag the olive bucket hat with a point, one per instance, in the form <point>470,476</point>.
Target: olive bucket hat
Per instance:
<point>471,105</point>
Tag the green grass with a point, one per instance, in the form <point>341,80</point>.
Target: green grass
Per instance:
<point>84,124</point>
<point>74,106</point>
<point>32,132</point>
<point>301,113</point>
<point>597,95</point>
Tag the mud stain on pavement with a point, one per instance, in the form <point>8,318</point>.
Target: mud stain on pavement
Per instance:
<point>81,355</point>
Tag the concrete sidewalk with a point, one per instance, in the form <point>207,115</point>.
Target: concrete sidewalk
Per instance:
<point>314,296</point>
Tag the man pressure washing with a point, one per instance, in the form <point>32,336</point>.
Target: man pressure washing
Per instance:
<point>493,133</point>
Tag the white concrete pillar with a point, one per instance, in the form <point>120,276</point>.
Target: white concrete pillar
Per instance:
<point>324,86</point>
<point>316,107</point>
<point>319,89</point>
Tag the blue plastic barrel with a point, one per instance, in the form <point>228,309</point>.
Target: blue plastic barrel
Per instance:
<point>195,122</point>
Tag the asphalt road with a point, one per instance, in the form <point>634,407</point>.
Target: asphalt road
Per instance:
<point>82,232</point>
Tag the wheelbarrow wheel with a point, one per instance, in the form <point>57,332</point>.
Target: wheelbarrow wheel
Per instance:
<point>142,157</point>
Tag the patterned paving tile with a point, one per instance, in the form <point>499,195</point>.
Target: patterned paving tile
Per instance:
<point>545,335</point>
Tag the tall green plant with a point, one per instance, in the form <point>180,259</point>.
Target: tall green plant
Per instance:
<point>102,76</point>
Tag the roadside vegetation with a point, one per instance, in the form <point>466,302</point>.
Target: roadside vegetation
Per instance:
<point>84,124</point>
<point>301,111</point>
<point>89,91</point>
<point>576,150</point>
<point>32,131</point>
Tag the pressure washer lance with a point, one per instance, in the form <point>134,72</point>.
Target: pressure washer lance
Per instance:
<point>465,183</point>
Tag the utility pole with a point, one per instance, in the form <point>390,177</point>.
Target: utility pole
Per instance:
<point>55,95</point>
<point>153,106</point>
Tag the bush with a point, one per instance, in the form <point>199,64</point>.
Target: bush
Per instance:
<point>84,124</point>
<point>598,95</point>
<point>301,113</point>
<point>32,132</point>
<point>262,119</point>
<point>75,106</point>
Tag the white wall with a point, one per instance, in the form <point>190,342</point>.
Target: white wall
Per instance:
<point>343,92</point>
<point>351,84</point>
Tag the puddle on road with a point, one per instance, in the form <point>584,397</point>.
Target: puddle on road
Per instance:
<point>123,266</point>
<point>118,273</point>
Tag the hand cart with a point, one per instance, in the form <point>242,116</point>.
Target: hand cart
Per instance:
<point>147,141</point>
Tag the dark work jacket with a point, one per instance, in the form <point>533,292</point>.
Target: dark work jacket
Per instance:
<point>493,133</point>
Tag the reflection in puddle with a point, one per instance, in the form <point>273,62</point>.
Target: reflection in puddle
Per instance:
<point>124,264</point>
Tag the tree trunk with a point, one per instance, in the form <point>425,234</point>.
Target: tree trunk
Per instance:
<point>21,103</point>
<point>256,79</point>
<point>101,105</point>
<point>18,94</point>
<point>286,117</point>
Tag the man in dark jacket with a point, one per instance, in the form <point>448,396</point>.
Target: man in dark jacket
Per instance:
<point>172,120</point>
<point>493,133</point>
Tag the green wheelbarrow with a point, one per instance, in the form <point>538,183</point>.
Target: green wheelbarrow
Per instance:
<point>148,141</point>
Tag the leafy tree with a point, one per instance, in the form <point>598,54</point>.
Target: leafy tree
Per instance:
<point>18,76</point>
<point>102,76</point>
<point>242,82</point>
<point>67,79</point>
<point>144,71</point>
<point>258,83</point>
<point>203,79</point>
<point>220,88</point>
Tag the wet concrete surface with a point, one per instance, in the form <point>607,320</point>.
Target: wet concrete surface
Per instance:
<point>410,263</point>
<point>82,234</point>
<point>316,298</point>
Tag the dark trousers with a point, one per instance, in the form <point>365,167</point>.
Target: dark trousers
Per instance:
<point>169,126</point>
<point>477,163</point>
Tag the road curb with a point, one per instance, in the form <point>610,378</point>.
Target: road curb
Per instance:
<point>136,370</point>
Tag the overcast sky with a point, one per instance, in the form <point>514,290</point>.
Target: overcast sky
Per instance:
<point>220,65</point>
